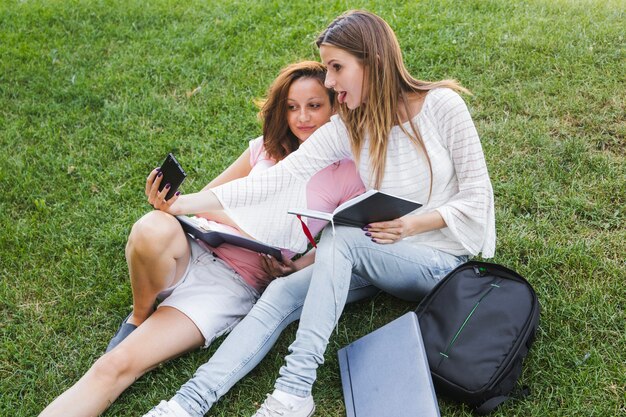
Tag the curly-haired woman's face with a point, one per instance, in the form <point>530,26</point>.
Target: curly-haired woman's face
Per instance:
<point>308,107</point>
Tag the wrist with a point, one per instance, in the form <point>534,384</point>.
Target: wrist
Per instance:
<point>425,222</point>
<point>414,225</point>
<point>176,208</point>
<point>296,266</point>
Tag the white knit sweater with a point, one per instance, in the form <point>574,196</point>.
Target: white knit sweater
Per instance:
<point>461,189</point>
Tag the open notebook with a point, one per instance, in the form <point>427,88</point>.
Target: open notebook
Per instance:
<point>369,207</point>
<point>214,234</point>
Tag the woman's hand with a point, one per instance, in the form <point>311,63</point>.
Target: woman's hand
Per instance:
<point>274,268</point>
<point>388,232</point>
<point>409,225</point>
<point>156,198</point>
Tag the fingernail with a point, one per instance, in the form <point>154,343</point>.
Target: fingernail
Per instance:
<point>374,240</point>
<point>366,228</point>
<point>160,174</point>
<point>158,169</point>
<point>167,185</point>
<point>177,193</point>
<point>368,234</point>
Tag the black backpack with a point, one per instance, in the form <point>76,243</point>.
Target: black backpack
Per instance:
<point>478,324</point>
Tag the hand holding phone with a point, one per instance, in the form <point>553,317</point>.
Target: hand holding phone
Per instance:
<point>173,174</point>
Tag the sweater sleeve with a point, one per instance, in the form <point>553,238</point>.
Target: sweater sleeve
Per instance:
<point>258,204</point>
<point>469,214</point>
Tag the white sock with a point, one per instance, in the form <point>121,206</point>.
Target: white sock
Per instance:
<point>180,411</point>
<point>290,400</point>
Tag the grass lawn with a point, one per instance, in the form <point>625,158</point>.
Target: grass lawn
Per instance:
<point>93,94</point>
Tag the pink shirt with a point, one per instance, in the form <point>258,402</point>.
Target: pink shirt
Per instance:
<point>325,191</point>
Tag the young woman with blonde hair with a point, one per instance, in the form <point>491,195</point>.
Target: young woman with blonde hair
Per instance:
<point>411,138</point>
<point>205,291</point>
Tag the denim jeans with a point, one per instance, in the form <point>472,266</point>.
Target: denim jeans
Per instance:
<point>248,343</point>
<point>405,270</point>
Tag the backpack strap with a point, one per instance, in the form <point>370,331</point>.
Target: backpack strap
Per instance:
<point>493,403</point>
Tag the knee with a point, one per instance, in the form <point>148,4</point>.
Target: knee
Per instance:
<point>275,291</point>
<point>113,366</point>
<point>279,300</point>
<point>151,233</point>
<point>342,241</point>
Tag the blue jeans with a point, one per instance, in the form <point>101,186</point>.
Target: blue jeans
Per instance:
<point>405,270</point>
<point>248,343</point>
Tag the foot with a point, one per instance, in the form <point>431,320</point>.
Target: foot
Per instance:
<point>122,333</point>
<point>167,409</point>
<point>274,408</point>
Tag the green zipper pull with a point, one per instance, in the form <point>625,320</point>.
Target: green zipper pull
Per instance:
<point>480,271</point>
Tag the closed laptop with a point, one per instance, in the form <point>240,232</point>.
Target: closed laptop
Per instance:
<point>386,373</point>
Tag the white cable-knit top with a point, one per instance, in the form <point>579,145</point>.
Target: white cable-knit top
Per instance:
<point>461,189</point>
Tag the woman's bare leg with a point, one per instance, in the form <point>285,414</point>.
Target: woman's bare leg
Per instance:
<point>166,334</point>
<point>157,254</point>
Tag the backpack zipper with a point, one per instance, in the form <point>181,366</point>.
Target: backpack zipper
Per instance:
<point>445,354</point>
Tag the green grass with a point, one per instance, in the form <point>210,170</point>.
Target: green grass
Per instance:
<point>94,93</point>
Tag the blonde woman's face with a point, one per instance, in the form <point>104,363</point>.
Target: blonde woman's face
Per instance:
<point>344,75</point>
<point>308,107</point>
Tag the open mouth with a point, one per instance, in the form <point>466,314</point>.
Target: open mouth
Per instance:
<point>341,97</point>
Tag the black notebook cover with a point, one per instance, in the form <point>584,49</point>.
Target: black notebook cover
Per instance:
<point>386,373</point>
<point>215,238</point>
<point>370,207</point>
<point>376,208</point>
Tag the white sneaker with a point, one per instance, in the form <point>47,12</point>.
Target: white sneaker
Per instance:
<point>167,409</point>
<point>274,408</point>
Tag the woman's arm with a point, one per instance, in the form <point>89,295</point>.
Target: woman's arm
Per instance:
<point>409,225</point>
<point>271,193</point>
<point>328,144</point>
<point>238,169</point>
<point>179,204</point>
<point>202,203</point>
<point>195,203</point>
<point>469,214</point>
<point>275,268</point>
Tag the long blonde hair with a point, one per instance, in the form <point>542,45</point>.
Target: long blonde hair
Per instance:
<point>372,41</point>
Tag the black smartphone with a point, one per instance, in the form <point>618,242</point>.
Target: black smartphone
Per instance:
<point>173,174</point>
